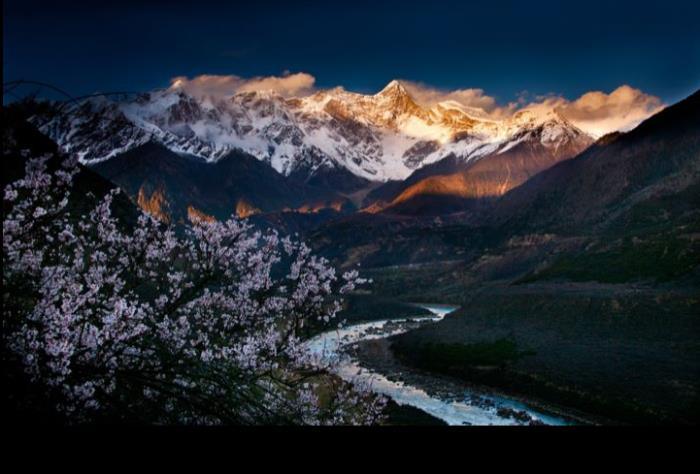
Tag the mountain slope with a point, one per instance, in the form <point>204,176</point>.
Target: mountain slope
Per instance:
<point>526,154</point>
<point>661,156</point>
<point>175,187</point>
<point>19,135</point>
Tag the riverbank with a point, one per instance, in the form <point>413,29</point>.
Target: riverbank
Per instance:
<point>406,415</point>
<point>453,405</point>
<point>376,355</point>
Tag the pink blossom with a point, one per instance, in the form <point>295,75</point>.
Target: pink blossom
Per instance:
<point>117,310</point>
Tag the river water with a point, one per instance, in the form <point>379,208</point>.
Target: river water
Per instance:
<point>469,407</point>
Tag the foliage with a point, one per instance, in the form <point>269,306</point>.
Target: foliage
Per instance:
<point>140,323</point>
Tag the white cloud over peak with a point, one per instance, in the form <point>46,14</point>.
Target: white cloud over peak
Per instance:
<point>208,85</point>
<point>599,113</point>
<point>469,98</point>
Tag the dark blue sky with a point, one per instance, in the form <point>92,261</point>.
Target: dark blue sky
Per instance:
<point>504,47</point>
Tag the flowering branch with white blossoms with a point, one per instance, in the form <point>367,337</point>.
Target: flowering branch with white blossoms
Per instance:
<point>135,321</point>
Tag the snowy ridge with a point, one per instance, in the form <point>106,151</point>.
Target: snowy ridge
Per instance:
<point>380,137</point>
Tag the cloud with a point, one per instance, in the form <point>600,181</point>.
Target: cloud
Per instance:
<point>474,99</point>
<point>289,85</point>
<point>219,86</point>
<point>599,113</point>
<point>596,113</point>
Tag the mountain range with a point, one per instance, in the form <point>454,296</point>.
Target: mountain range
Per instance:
<point>333,150</point>
<point>630,197</point>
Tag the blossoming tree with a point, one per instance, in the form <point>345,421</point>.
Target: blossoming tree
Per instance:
<point>139,321</point>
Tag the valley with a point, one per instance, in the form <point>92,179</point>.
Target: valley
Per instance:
<point>326,214</point>
<point>574,262</point>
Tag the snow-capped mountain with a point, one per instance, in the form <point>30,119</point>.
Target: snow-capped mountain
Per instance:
<point>380,137</point>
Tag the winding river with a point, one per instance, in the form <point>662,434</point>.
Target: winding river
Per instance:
<point>469,407</point>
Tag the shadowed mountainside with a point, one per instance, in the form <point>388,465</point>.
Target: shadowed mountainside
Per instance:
<point>623,354</point>
<point>173,186</point>
<point>659,157</point>
<point>451,185</point>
